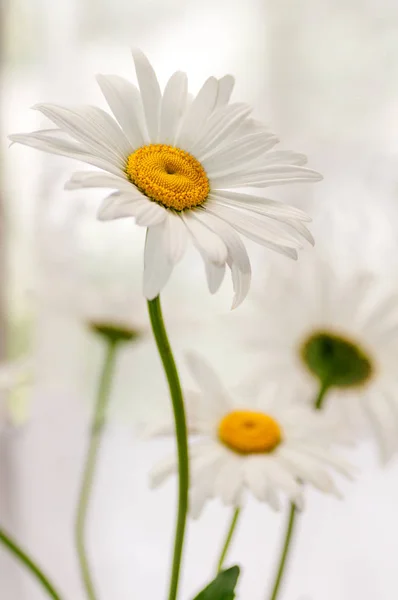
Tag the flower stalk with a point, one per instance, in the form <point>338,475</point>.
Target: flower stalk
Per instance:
<point>166,355</point>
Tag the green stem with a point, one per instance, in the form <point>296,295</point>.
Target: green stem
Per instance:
<point>321,395</point>
<point>285,551</point>
<point>228,539</point>
<point>29,564</point>
<point>162,342</point>
<point>318,403</point>
<point>97,427</point>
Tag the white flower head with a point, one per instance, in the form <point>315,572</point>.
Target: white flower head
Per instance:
<point>256,444</point>
<point>178,165</point>
<point>318,325</point>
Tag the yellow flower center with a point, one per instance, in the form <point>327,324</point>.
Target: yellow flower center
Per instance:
<point>249,432</point>
<point>168,175</point>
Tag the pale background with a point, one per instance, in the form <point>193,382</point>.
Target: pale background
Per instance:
<point>324,75</point>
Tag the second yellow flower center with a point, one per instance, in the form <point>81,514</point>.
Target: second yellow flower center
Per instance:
<point>249,432</point>
<point>169,176</point>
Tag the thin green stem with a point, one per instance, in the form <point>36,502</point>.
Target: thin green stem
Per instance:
<point>318,403</point>
<point>163,345</point>
<point>321,395</point>
<point>228,540</point>
<point>29,564</point>
<point>98,423</point>
<point>285,551</point>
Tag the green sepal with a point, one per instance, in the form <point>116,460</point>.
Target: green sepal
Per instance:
<point>222,587</point>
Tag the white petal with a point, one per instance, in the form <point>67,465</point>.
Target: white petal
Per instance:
<point>219,127</point>
<point>96,179</point>
<point>207,379</point>
<point>266,176</point>
<point>228,484</point>
<point>225,88</point>
<point>157,266</point>
<point>91,126</point>
<point>382,423</point>
<point>70,149</point>
<point>238,259</point>
<point>254,477</point>
<point>307,469</point>
<point>117,206</point>
<point>176,237</point>
<point>173,106</point>
<point>282,478</point>
<point>198,113</point>
<point>260,204</point>
<point>284,157</point>
<point>256,228</point>
<point>214,275</point>
<point>162,471</point>
<point>207,242</point>
<point>150,92</point>
<point>124,100</point>
<point>235,154</point>
<point>149,213</point>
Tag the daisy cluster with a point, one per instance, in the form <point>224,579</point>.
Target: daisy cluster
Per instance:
<point>323,346</point>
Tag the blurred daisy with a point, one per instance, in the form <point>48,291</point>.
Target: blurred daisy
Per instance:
<point>15,386</point>
<point>259,445</point>
<point>177,164</point>
<point>315,327</point>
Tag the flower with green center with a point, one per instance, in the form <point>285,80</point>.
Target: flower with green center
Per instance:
<point>255,444</point>
<point>185,169</point>
<point>317,327</point>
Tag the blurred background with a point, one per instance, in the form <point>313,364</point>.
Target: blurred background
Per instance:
<point>324,75</point>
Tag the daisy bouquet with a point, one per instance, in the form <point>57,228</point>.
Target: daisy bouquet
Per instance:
<point>193,169</point>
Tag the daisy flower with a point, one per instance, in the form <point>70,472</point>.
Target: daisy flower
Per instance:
<point>184,168</point>
<point>320,327</point>
<point>238,443</point>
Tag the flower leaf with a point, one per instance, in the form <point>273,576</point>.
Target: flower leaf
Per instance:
<point>222,587</point>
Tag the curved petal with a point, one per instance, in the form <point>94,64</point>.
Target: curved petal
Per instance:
<point>207,380</point>
<point>71,149</point>
<point>150,93</point>
<point>208,243</point>
<point>225,87</point>
<point>198,113</point>
<point>214,275</point>
<point>117,206</point>
<point>157,266</point>
<point>124,100</point>
<point>176,237</point>
<point>173,107</point>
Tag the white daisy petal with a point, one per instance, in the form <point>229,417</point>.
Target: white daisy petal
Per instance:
<point>173,107</point>
<point>237,260</point>
<point>157,266</point>
<point>124,100</point>
<point>97,179</point>
<point>176,237</point>
<point>197,113</point>
<point>91,126</point>
<point>150,92</point>
<point>260,204</point>
<point>262,232</point>
<point>208,243</point>
<point>162,471</point>
<point>215,276</point>
<point>219,127</point>
<point>266,176</point>
<point>118,206</point>
<point>206,378</point>
<point>70,149</point>
<point>225,88</point>
<point>228,483</point>
<point>237,154</point>
<point>149,213</point>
